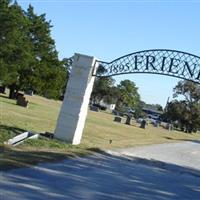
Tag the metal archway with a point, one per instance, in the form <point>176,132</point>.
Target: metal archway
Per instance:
<point>155,61</point>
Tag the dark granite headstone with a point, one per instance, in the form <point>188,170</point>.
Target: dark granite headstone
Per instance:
<point>94,108</point>
<point>128,119</point>
<point>118,119</point>
<point>21,100</point>
<point>143,124</point>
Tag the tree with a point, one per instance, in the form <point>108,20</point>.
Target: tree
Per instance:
<point>138,110</point>
<point>48,74</point>
<point>15,49</point>
<point>4,9</point>
<point>103,88</point>
<point>157,107</point>
<point>66,67</point>
<point>129,96</point>
<point>28,57</point>
<point>189,90</point>
<point>187,111</point>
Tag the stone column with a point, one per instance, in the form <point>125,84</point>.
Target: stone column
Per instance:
<point>73,113</point>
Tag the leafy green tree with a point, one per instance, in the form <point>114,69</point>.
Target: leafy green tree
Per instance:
<point>129,96</point>
<point>28,57</point>
<point>157,107</point>
<point>189,90</point>
<point>65,72</point>
<point>187,111</point>
<point>125,95</point>
<point>15,50</point>
<point>138,112</point>
<point>4,9</point>
<point>112,95</point>
<point>47,75</point>
<point>102,89</point>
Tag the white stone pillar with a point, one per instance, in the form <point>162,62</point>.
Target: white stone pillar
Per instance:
<point>74,109</point>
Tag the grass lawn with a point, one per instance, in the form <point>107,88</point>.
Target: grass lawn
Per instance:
<point>99,130</point>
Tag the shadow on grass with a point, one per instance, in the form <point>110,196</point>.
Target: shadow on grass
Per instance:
<point>30,154</point>
<point>12,101</point>
<point>183,140</point>
<point>12,158</point>
<point>4,96</point>
<point>37,151</point>
<point>6,133</point>
<point>11,129</point>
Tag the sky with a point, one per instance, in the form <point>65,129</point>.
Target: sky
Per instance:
<point>113,28</point>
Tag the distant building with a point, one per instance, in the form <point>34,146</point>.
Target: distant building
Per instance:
<point>152,114</point>
<point>108,106</point>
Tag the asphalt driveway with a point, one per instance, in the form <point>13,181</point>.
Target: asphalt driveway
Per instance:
<point>168,171</point>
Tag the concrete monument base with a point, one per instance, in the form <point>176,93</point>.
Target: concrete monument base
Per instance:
<point>74,109</point>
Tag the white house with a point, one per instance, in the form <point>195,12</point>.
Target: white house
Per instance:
<point>108,106</point>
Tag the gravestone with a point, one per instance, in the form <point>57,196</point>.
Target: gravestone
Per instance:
<point>128,119</point>
<point>21,100</point>
<point>118,119</point>
<point>94,108</point>
<point>21,138</point>
<point>143,124</point>
<point>169,126</point>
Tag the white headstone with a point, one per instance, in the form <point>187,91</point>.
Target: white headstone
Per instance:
<point>74,109</point>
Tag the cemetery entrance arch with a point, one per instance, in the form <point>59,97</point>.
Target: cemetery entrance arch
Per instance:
<point>73,112</point>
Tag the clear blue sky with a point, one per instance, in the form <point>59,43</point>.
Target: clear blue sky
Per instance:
<point>110,29</point>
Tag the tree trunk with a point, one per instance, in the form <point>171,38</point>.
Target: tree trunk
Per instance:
<point>12,94</point>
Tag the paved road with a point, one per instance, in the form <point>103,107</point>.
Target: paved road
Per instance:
<point>111,176</point>
<point>183,154</point>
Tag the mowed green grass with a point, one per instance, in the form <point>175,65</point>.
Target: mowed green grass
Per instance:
<point>41,116</point>
<point>100,128</point>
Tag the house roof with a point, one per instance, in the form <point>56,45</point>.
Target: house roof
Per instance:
<point>153,111</point>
